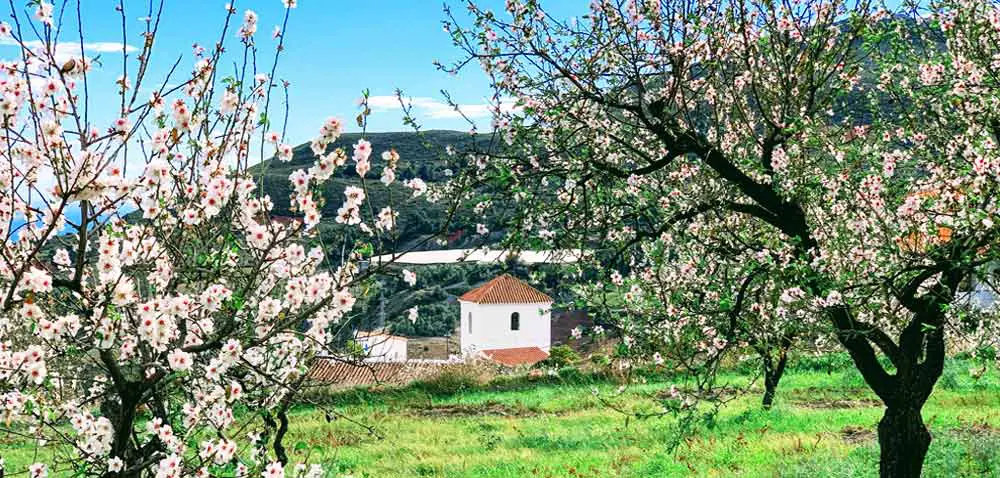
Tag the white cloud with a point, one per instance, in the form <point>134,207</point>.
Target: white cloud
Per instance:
<point>64,51</point>
<point>104,47</point>
<point>435,109</point>
<point>71,48</point>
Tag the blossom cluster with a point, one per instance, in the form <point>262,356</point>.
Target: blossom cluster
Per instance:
<point>151,295</point>
<point>738,208</point>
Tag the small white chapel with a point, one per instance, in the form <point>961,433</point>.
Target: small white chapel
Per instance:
<point>507,321</point>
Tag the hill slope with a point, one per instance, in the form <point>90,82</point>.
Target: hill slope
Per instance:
<point>421,155</point>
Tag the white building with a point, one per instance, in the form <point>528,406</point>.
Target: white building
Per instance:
<point>506,320</point>
<point>980,290</point>
<point>382,347</point>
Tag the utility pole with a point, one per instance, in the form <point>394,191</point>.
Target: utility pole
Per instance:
<point>381,307</point>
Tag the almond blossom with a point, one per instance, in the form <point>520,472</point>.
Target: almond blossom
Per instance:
<point>816,173</point>
<point>163,285</point>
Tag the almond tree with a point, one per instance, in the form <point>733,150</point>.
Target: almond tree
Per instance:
<point>154,314</point>
<point>715,144</point>
<point>693,314</point>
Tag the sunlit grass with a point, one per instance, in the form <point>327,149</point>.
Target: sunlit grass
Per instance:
<point>822,425</point>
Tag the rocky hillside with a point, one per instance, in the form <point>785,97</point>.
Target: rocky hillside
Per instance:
<point>421,155</point>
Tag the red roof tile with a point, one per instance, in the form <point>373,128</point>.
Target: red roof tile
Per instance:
<point>516,356</point>
<point>505,289</point>
<point>351,374</point>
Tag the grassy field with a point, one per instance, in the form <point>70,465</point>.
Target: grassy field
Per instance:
<point>823,425</point>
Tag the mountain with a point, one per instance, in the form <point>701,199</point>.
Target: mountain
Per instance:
<point>421,155</point>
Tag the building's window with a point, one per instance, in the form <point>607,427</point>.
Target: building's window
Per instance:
<point>515,321</point>
<point>470,322</point>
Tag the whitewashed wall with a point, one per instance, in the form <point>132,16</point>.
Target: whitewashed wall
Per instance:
<point>491,326</point>
<point>982,295</point>
<point>383,348</point>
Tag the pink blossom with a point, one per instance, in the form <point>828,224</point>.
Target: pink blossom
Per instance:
<point>409,277</point>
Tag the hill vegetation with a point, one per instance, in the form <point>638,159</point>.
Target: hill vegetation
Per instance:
<point>425,155</point>
<point>422,155</point>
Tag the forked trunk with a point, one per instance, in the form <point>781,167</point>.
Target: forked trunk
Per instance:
<point>123,417</point>
<point>919,361</point>
<point>771,378</point>
<point>773,370</point>
<point>903,441</point>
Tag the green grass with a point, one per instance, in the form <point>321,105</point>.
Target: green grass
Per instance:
<point>822,426</point>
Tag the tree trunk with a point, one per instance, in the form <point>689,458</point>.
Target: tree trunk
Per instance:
<point>281,428</point>
<point>903,440</point>
<point>773,371</point>
<point>919,361</point>
<point>771,378</point>
<point>769,390</point>
<point>279,436</point>
<point>123,419</point>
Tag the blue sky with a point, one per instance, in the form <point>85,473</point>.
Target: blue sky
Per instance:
<point>334,50</point>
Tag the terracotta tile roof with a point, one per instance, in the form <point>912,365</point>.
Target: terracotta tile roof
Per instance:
<point>916,241</point>
<point>505,289</point>
<point>516,356</point>
<point>350,374</point>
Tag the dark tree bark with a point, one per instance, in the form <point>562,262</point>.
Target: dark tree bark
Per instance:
<point>770,389</point>
<point>279,436</point>
<point>903,437</point>
<point>774,359</point>
<point>123,419</point>
<point>917,355</point>
<point>903,441</point>
<point>773,365</point>
<point>919,361</point>
<point>773,370</point>
<point>123,413</point>
<point>280,428</point>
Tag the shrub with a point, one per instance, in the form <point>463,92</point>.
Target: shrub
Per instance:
<point>982,353</point>
<point>489,435</point>
<point>829,362</point>
<point>949,379</point>
<point>600,360</point>
<point>354,350</point>
<point>560,356</point>
<point>455,378</point>
<point>571,374</point>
